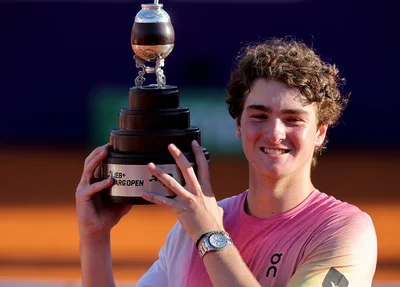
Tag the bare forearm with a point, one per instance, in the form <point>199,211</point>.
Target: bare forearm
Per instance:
<point>96,263</point>
<point>226,268</point>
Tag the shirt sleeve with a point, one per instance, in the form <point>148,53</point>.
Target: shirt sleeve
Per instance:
<point>157,275</point>
<point>345,255</point>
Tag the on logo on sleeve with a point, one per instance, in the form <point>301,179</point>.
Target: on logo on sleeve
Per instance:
<point>335,279</point>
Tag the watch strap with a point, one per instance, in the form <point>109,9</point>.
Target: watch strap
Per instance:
<point>200,238</point>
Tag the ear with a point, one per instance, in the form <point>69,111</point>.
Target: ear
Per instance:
<point>238,131</point>
<point>320,136</point>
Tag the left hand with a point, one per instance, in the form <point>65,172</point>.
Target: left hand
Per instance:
<point>195,204</point>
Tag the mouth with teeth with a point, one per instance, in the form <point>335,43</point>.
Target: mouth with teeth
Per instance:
<point>274,150</point>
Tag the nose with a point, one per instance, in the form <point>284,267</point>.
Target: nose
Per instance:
<point>275,131</point>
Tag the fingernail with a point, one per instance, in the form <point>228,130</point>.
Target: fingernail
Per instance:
<point>195,143</point>
<point>173,147</point>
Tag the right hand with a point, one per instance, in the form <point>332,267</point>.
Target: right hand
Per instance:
<point>96,217</point>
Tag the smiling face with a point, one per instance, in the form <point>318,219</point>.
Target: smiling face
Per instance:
<point>278,129</point>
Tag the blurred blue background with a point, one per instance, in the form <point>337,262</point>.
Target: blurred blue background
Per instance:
<point>56,54</point>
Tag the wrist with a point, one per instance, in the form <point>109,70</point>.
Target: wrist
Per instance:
<point>95,240</point>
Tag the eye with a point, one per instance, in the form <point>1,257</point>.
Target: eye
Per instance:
<point>293,120</point>
<point>259,116</point>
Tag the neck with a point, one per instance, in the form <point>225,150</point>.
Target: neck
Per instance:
<point>269,196</point>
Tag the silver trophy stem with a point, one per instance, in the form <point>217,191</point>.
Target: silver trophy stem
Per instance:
<point>140,64</point>
<point>161,80</point>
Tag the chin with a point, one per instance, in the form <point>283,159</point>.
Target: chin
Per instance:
<point>274,171</point>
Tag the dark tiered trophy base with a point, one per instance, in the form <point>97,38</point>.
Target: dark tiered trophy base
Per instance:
<point>153,120</point>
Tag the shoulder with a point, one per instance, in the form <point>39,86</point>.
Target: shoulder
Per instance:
<point>327,210</point>
<point>342,243</point>
<point>343,225</point>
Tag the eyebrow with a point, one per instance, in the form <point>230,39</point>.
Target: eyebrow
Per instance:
<point>266,109</point>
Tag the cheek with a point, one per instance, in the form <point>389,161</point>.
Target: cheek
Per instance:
<point>302,135</point>
<point>252,132</point>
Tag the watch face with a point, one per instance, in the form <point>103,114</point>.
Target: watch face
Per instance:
<point>218,240</point>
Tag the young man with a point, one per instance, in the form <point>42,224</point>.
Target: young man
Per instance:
<point>282,231</point>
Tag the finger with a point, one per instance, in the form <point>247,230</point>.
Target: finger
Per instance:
<point>167,180</point>
<point>89,169</point>
<point>185,166</point>
<point>95,152</point>
<point>98,173</point>
<point>85,193</point>
<point>203,169</point>
<point>158,199</point>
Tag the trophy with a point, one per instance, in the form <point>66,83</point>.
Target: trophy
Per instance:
<point>153,119</point>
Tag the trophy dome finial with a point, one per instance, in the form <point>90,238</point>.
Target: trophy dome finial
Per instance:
<point>152,35</point>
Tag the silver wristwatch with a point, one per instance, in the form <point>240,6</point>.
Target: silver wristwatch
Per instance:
<point>213,241</point>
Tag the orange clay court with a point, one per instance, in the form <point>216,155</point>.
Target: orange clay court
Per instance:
<point>39,238</point>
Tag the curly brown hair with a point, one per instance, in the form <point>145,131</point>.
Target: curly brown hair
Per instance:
<point>294,63</point>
